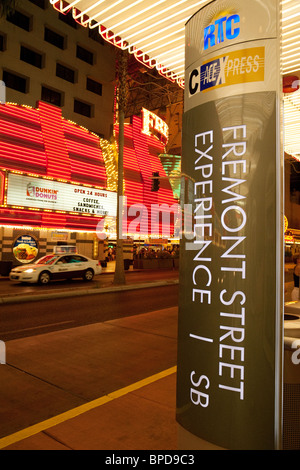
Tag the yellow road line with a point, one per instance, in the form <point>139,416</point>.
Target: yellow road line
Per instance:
<point>48,423</point>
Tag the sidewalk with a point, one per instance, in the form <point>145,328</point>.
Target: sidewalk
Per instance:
<point>138,416</point>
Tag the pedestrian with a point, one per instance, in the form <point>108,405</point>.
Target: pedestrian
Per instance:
<point>296,275</point>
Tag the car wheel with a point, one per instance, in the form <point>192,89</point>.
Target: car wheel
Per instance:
<point>44,278</point>
<point>88,275</point>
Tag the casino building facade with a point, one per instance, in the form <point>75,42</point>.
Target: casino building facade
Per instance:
<point>58,182</point>
<point>58,139</point>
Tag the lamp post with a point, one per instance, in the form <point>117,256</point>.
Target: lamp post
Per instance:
<point>119,276</point>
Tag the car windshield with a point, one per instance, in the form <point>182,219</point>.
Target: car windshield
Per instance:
<point>49,259</point>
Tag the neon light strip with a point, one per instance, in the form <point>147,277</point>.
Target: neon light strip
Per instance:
<point>104,20</point>
<point>55,146</point>
<point>82,13</point>
<point>152,18</point>
<point>90,165</point>
<point>61,7</point>
<point>9,152</point>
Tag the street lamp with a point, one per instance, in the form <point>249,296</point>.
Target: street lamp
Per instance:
<point>119,276</point>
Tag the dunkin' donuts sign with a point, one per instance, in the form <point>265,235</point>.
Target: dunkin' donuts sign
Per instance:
<point>27,191</point>
<point>34,191</point>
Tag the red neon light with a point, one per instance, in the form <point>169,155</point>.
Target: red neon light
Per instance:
<point>58,164</point>
<point>82,20</point>
<point>41,142</point>
<point>38,219</point>
<point>2,186</point>
<point>32,139</point>
<point>144,59</point>
<point>53,220</point>
<point>21,114</point>
<point>84,151</point>
<point>132,173</point>
<point>112,39</point>
<point>17,153</point>
<point>140,161</point>
<point>21,140</point>
<point>61,5</point>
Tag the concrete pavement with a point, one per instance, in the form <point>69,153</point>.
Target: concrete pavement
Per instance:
<point>80,415</point>
<point>139,414</point>
<point>140,417</point>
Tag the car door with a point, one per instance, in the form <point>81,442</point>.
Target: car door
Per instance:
<point>61,268</point>
<point>77,265</point>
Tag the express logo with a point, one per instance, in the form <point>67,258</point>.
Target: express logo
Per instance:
<point>242,66</point>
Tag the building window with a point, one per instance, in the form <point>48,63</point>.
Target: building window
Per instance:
<point>51,96</point>
<point>54,38</point>
<point>65,73</point>
<point>2,42</point>
<point>31,57</point>
<point>39,3</point>
<point>20,20</point>
<point>82,108</point>
<point>85,55</point>
<point>68,19</point>
<point>14,81</point>
<point>93,86</point>
<point>94,34</point>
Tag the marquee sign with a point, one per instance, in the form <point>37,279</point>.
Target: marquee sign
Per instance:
<point>48,194</point>
<point>230,306</point>
<point>79,159</point>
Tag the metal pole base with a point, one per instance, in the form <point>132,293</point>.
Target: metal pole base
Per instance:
<point>188,441</point>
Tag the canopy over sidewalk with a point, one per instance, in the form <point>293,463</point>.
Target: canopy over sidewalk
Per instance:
<point>154,31</point>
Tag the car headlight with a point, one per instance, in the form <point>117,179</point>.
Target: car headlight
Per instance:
<point>30,270</point>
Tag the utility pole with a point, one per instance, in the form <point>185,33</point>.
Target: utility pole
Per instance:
<point>119,277</point>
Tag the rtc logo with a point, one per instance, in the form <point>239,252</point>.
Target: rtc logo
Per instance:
<point>222,28</point>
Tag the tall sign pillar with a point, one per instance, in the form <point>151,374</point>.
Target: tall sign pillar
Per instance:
<point>230,336</point>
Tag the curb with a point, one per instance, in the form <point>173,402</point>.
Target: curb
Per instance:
<point>96,290</point>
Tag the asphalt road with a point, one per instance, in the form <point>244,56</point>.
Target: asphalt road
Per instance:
<point>32,318</point>
<point>8,287</point>
<point>62,353</point>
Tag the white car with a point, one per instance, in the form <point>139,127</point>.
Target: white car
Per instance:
<point>52,267</point>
